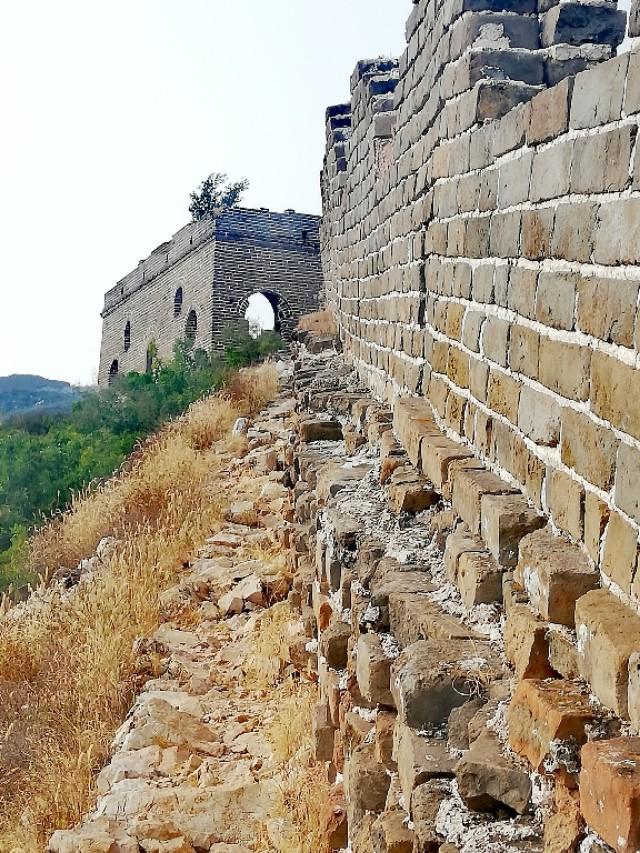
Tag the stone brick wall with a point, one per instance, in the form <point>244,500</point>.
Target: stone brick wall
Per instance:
<point>481,247</point>
<point>218,265</point>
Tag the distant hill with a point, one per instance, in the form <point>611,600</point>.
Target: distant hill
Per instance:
<point>25,394</point>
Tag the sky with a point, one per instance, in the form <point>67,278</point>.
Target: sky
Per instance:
<point>113,112</point>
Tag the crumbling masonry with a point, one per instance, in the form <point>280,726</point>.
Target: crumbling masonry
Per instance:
<point>480,245</point>
<point>198,284</point>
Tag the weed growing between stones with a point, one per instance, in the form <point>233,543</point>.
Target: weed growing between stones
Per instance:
<point>298,821</point>
<point>67,665</point>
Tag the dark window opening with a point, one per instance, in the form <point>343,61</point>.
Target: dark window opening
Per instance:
<point>177,302</point>
<point>113,370</point>
<point>305,236</point>
<point>127,337</point>
<point>191,329</point>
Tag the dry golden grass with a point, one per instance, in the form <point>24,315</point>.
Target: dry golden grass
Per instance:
<point>319,323</point>
<point>67,670</point>
<point>303,787</point>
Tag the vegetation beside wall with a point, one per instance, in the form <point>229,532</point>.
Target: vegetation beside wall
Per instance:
<point>46,459</point>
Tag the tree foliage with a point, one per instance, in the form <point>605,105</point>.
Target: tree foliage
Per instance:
<point>44,459</point>
<point>215,194</point>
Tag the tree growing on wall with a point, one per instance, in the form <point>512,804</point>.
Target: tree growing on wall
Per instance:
<point>215,193</point>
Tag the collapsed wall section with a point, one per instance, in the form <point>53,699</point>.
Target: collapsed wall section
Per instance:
<point>480,244</point>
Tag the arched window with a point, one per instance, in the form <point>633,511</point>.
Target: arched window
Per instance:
<point>127,337</point>
<point>191,328</point>
<point>177,303</point>
<point>113,370</point>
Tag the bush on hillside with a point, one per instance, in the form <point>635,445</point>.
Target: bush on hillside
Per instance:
<point>45,460</point>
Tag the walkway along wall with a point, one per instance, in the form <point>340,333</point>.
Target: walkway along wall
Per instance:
<point>481,243</point>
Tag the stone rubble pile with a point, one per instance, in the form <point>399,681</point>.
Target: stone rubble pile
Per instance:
<point>478,687</point>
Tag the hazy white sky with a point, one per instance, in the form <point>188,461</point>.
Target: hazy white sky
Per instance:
<point>112,112</point>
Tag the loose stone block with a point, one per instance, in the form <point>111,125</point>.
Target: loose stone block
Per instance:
<point>608,634</point>
<point>460,541</point>
<point>469,487</point>
<point>479,579</point>
<point>438,454</point>
<point>505,520</point>
<point>320,430</point>
<point>391,833</point>
<point>333,644</point>
<point>373,670</point>
<point>414,617</point>
<point>419,759</point>
<point>525,642</point>
<point>571,23</point>
<point>555,574</point>
<point>426,682</point>
<point>543,714</point>
<point>366,781</point>
<point>425,805</point>
<point>322,733</point>
<point>488,780</point>
<point>563,652</point>
<point>610,791</point>
<point>409,492</point>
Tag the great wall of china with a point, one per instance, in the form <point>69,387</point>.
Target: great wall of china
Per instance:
<point>453,476</point>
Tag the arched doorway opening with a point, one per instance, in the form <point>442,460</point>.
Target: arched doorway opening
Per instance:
<point>260,314</point>
<point>268,309</point>
<point>191,327</point>
<point>113,370</point>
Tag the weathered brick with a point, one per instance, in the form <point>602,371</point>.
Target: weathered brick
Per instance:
<point>596,516</point>
<point>495,340</point>
<point>565,499</point>
<point>503,395</point>
<point>373,670</point>
<point>505,520</point>
<point>549,114</point>
<point>460,541</point>
<point>627,493</point>
<point>438,454</point>
<point>598,94</point>
<point>613,385</point>
<point>607,308</point>
<point>479,579</point>
<point>564,368</point>
<point>608,633</point>
<point>556,299</point>
<point>620,552</point>
<point>539,416</point>
<point>469,485</point>
<point>544,714</point>
<point>555,573</point>
<point>588,448</point>
<point>610,791</point>
<point>525,643</point>
<point>601,162</point>
<point>551,170</point>
<point>524,351</point>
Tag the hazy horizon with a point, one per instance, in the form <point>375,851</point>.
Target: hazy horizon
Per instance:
<point>114,114</point>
